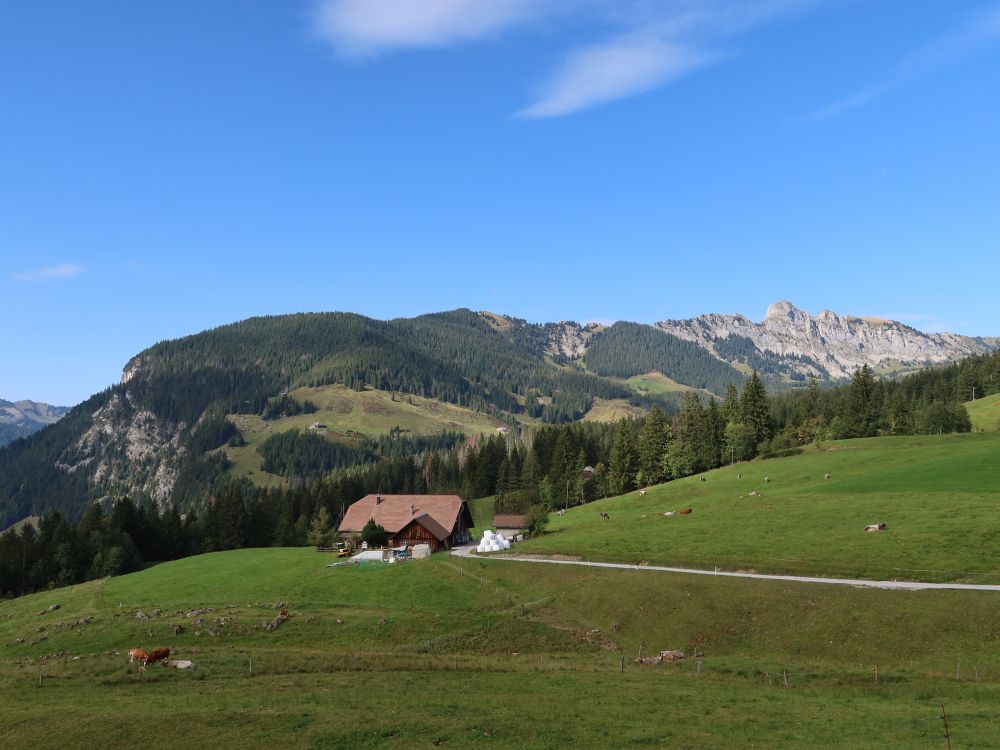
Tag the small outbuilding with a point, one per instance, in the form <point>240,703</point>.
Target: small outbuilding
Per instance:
<point>509,525</point>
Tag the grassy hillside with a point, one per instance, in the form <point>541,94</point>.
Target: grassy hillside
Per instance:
<point>33,520</point>
<point>939,496</point>
<point>611,410</point>
<point>346,413</point>
<point>985,413</point>
<point>508,655</point>
<point>656,382</point>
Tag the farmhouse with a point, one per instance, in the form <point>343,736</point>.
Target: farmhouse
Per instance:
<point>440,521</point>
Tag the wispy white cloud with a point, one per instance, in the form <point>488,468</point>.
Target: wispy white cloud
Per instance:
<point>616,70</point>
<point>977,32</point>
<point>670,39</point>
<point>49,273</point>
<point>364,28</point>
<point>649,42</point>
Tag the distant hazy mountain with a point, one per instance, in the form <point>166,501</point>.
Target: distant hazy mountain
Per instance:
<point>21,418</point>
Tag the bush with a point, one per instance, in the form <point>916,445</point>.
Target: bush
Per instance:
<point>374,534</point>
<point>536,520</point>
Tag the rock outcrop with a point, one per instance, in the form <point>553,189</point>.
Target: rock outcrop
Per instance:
<point>828,344</point>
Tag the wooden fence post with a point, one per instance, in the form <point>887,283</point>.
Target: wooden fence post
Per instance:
<point>947,733</point>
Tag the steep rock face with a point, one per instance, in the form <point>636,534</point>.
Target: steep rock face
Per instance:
<point>127,450</point>
<point>835,344</point>
<point>570,339</point>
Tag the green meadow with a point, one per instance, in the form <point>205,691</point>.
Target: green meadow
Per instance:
<point>611,410</point>
<point>656,382</point>
<point>985,413</point>
<point>349,414</point>
<point>453,652</point>
<point>510,655</point>
<point>939,495</point>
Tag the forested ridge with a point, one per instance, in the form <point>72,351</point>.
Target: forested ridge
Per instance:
<point>627,349</point>
<point>498,366</point>
<point>553,467</point>
<point>190,384</point>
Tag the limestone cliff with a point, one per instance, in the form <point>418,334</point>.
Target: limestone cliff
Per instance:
<point>828,344</point>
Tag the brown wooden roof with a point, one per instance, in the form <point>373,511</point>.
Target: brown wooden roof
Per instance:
<point>506,521</point>
<point>394,512</point>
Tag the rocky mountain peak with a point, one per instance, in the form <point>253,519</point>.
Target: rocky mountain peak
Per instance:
<point>784,311</point>
<point>829,345</point>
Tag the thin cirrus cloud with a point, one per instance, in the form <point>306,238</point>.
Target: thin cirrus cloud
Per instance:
<point>649,43</point>
<point>978,32</point>
<point>607,72</point>
<point>366,28</point>
<point>49,273</point>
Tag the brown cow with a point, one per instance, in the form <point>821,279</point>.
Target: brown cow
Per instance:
<point>685,511</point>
<point>157,654</point>
<point>137,654</point>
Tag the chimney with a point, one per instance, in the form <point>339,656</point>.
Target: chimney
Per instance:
<point>411,510</point>
<point>378,499</point>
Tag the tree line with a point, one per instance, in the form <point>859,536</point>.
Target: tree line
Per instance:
<point>553,467</point>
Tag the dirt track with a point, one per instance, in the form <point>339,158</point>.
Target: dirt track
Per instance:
<point>466,551</point>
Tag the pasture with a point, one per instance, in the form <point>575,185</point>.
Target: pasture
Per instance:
<point>452,652</point>
<point>458,652</point>
<point>656,382</point>
<point>611,410</point>
<point>349,414</point>
<point>939,495</point>
<point>985,413</point>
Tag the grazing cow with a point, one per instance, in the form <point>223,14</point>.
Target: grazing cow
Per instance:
<point>178,629</point>
<point>876,527</point>
<point>157,654</point>
<point>767,479</point>
<point>605,516</point>
<point>561,512</point>
<point>739,476</point>
<point>826,476</point>
<point>283,614</point>
<point>136,654</point>
<point>642,492</point>
<point>686,511</point>
<point>670,513</point>
<point>703,479</point>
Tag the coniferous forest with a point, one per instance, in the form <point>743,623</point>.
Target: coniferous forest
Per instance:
<point>551,467</point>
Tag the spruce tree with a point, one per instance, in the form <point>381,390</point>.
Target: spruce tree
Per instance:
<point>864,403</point>
<point>319,530</point>
<point>624,460</point>
<point>652,447</point>
<point>731,405</point>
<point>754,409</point>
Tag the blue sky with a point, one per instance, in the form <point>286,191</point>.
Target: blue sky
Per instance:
<point>168,166</point>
